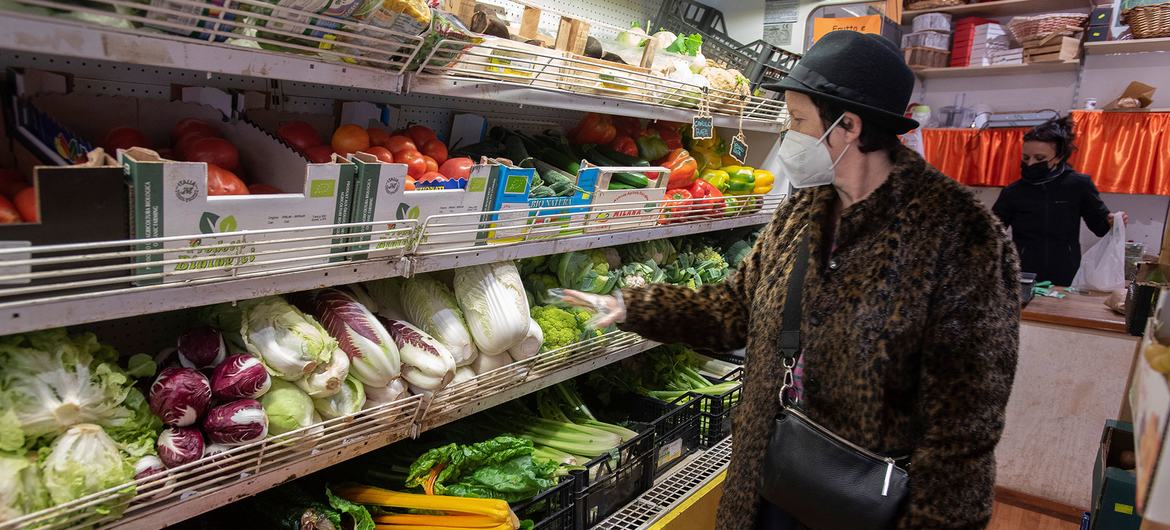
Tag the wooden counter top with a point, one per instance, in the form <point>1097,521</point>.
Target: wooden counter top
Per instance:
<point>1075,310</point>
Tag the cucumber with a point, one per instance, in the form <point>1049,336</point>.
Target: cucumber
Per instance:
<point>562,183</point>
<point>560,160</point>
<point>541,191</point>
<point>615,185</point>
<point>631,179</point>
<point>621,159</point>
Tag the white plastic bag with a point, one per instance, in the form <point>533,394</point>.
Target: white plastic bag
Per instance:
<point>1103,266</point>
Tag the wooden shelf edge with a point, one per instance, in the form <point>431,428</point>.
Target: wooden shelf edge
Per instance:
<point>996,70</point>
<point>1001,8</point>
<point>1128,46</point>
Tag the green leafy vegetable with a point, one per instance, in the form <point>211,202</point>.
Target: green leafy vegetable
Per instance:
<point>689,45</point>
<point>499,468</point>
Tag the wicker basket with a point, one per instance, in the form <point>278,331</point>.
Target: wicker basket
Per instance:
<point>1148,22</point>
<point>1037,27</point>
<point>920,5</point>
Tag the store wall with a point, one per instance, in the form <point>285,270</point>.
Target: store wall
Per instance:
<point>743,18</point>
<point>1106,76</point>
<point>1147,216</point>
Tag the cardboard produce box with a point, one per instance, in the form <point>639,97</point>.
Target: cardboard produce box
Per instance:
<point>1114,482</point>
<point>612,209</point>
<point>546,217</point>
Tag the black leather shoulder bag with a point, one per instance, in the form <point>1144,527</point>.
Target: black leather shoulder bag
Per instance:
<point>819,478</point>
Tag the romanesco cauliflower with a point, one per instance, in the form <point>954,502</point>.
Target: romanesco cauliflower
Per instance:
<point>560,327</point>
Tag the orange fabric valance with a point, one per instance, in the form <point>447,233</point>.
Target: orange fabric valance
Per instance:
<point>1124,152</point>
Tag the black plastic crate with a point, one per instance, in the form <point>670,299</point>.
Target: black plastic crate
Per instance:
<point>552,509</point>
<point>608,482</point>
<point>758,61</point>
<point>714,411</point>
<point>676,430</point>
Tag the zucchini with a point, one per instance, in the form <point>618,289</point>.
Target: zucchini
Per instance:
<point>514,146</point>
<point>560,160</point>
<point>621,159</point>
<point>561,183</point>
<point>541,191</point>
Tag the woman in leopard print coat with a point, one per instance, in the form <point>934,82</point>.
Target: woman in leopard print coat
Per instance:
<point>909,330</point>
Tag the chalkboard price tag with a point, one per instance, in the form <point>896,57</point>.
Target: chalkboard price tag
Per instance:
<point>702,127</point>
<point>739,148</point>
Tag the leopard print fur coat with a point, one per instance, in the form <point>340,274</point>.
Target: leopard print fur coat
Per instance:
<point>910,331</point>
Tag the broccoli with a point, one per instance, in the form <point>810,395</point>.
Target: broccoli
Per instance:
<point>560,327</point>
<point>640,274</point>
<point>737,252</point>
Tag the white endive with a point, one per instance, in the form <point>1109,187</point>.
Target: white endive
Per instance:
<point>426,363</point>
<point>290,342</point>
<point>374,358</point>
<point>392,392</point>
<point>326,380</point>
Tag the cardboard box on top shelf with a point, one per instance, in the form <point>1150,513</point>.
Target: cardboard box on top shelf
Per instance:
<point>1137,96</point>
<point>1101,17</point>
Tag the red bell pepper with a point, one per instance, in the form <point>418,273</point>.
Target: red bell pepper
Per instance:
<point>713,203</point>
<point>669,133</point>
<point>595,129</point>
<point>683,168</point>
<point>678,206</point>
<point>625,145</point>
<point>627,126</point>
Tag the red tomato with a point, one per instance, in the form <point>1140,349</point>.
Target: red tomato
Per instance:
<point>378,136</point>
<point>319,154</point>
<point>215,151</point>
<point>123,138</point>
<point>184,143</point>
<point>415,165</point>
<point>263,189</point>
<point>420,134</point>
<point>382,153</point>
<point>223,182</point>
<point>432,177</point>
<point>431,164</point>
<point>11,182</point>
<point>349,138</point>
<point>299,134</point>
<point>8,213</point>
<point>409,183</point>
<point>436,150</point>
<point>400,143</point>
<point>187,125</point>
<point>457,168</point>
<point>26,204</point>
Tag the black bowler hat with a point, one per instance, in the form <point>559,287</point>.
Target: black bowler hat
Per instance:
<point>863,72</point>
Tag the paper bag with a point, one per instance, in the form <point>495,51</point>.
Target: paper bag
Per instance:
<point>1143,93</point>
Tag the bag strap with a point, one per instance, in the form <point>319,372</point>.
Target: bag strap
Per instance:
<point>790,324</point>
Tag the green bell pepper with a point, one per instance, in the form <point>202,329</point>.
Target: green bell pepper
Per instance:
<point>717,178</point>
<point>742,180</point>
<point>651,146</point>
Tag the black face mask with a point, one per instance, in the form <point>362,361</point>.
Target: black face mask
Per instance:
<point>1039,172</point>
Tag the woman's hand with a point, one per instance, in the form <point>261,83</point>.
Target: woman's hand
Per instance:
<point>1124,219</point>
<point>609,310</point>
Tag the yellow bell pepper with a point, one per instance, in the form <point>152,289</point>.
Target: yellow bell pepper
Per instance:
<point>707,159</point>
<point>764,181</point>
<point>717,178</point>
<point>729,161</point>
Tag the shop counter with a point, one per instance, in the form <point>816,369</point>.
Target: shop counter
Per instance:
<point>1073,364</point>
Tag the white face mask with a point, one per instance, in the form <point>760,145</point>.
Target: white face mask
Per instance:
<point>805,159</point>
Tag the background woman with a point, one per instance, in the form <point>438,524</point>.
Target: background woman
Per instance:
<point>1045,207</point>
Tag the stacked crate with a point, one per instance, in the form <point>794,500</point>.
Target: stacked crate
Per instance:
<point>964,39</point>
<point>930,43</point>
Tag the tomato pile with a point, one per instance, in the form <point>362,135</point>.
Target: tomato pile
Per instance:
<point>18,200</point>
<point>195,140</point>
<point>417,147</point>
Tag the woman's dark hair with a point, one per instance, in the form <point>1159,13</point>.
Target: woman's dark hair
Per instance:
<point>1058,132</point>
<point>874,136</point>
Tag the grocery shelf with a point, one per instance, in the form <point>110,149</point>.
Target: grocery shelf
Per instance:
<point>1128,46</point>
<point>671,490</point>
<point>530,75</point>
<point>132,43</point>
<point>996,70</point>
<point>184,492</point>
<point>1002,8</point>
<point>61,285</point>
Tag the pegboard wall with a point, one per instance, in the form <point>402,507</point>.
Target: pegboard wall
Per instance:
<point>149,333</point>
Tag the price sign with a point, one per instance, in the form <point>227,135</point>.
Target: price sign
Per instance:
<point>702,127</point>
<point>739,148</point>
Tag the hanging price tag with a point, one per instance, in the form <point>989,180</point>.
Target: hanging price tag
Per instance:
<point>738,148</point>
<point>702,125</point>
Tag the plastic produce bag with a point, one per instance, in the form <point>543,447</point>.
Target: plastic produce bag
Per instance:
<point>1103,266</point>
